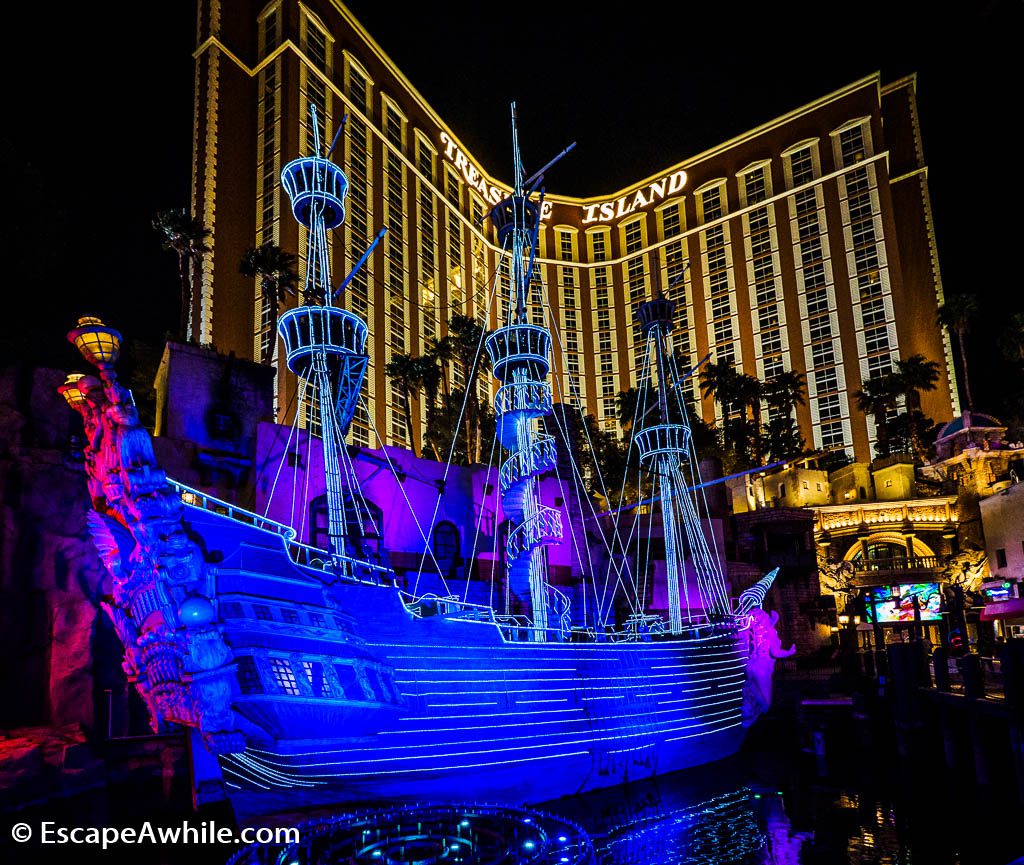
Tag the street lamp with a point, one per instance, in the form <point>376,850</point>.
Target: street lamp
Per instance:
<point>99,344</point>
<point>71,392</point>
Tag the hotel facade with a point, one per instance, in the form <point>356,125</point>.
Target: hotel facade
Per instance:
<point>803,244</point>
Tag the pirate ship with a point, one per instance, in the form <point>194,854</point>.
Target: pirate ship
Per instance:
<point>305,673</point>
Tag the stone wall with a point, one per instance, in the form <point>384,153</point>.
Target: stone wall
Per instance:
<point>51,579</point>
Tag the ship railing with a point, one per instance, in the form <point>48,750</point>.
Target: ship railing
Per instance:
<point>449,606</point>
<point>206,502</point>
<point>321,560</point>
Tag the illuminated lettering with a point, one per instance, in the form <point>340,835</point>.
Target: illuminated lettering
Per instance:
<point>604,211</point>
<point>676,182</point>
<point>617,208</point>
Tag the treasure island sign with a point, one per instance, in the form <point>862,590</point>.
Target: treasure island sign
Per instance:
<point>602,211</point>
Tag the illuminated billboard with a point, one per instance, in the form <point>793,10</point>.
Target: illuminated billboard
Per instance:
<point>896,603</point>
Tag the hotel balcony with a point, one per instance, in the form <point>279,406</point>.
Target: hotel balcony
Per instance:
<point>895,570</point>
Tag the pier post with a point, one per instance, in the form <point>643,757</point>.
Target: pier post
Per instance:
<point>940,663</point>
<point>905,671</point>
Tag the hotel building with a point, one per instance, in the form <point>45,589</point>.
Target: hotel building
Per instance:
<point>805,243</point>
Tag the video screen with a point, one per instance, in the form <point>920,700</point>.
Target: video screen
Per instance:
<point>896,603</point>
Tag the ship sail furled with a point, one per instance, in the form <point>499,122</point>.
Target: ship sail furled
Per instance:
<point>520,358</point>
<point>665,451</point>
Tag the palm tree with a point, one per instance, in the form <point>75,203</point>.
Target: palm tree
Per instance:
<point>626,408</point>
<point>186,237</point>
<point>443,352</point>
<point>916,374</point>
<point>749,394</point>
<point>1011,342</point>
<point>429,374</point>
<point>466,335</point>
<point>876,398</point>
<point>719,380</point>
<point>275,268</point>
<point>783,393</point>
<point>956,315</point>
<point>404,370</point>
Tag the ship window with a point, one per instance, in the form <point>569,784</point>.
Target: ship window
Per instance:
<point>231,610</point>
<point>375,684</point>
<point>342,625</point>
<point>281,669</point>
<point>262,612</point>
<point>316,620</point>
<point>290,616</point>
<point>248,676</point>
<point>318,682</point>
<point>446,545</point>
<point>349,682</point>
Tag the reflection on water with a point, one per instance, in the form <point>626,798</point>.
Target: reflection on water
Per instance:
<point>705,832</point>
<point>773,804</point>
<point>746,811</point>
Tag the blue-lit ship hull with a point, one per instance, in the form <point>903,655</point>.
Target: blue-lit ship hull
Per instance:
<point>389,701</point>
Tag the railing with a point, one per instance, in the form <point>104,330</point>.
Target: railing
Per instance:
<point>314,557</point>
<point>899,563</point>
<point>545,525</point>
<point>204,501</point>
<point>538,458</point>
<point>533,397</point>
<point>672,439</point>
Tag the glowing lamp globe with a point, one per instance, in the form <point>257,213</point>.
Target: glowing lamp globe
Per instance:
<point>196,611</point>
<point>71,392</point>
<point>99,344</point>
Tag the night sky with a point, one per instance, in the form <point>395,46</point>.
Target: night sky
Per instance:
<point>89,156</point>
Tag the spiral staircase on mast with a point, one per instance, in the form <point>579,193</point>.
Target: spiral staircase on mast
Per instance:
<point>520,359</point>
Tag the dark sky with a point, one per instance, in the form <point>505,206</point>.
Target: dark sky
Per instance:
<point>99,136</point>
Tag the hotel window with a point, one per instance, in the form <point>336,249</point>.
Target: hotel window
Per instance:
<point>599,245</point>
<point>284,676</point>
<point>357,84</point>
<point>671,220</point>
<point>676,291</point>
<point>566,244</point>
<point>231,610</point>
<point>712,201</point>
<point>262,612</point>
<point>358,226</point>
<point>268,188</point>
<point>853,144</point>
<point>452,186</point>
<point>633,236</point>
<point>801,163</point>
<point>317,620</point>
<point>248,676</point>
<point>289,615</point>
<point>393,122</point>
<point>756,185</point>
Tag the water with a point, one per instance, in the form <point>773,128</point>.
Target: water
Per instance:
<point>775,803</point>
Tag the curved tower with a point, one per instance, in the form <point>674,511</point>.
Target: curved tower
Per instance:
<point>324,344</point>
<point>519,353</point>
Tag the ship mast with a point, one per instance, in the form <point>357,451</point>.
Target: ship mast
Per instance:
<point>664,449</point>
<point>519,353</point>
<point>325,345</point>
